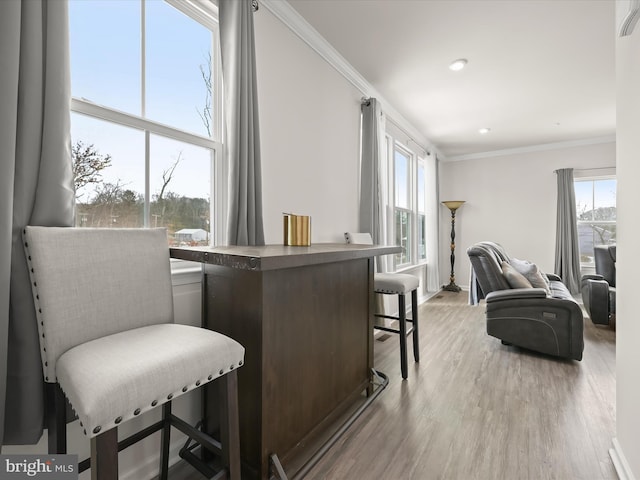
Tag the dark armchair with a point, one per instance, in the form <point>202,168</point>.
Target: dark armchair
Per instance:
<point>599,291</point>
<point>535,312</point>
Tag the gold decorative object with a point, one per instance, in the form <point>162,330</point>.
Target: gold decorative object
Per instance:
<point>453,205</point>
<point>297,230</point>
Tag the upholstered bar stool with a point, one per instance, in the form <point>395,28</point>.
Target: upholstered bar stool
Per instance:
<point>399,284</point>
<point>104,307</point>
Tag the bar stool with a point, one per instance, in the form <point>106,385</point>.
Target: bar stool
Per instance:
<point>104,307</point>
<point>399,284</point>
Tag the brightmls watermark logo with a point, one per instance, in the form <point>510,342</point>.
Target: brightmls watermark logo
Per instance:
<point>51,467</point>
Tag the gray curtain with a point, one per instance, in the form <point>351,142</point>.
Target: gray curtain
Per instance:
<point>36,187</point>
<point>372,216</point>
<point>567,263</point>
<point>242,143</point>
<point>372,206</point>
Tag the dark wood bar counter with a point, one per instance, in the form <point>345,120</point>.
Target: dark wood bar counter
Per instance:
<point>305,318</point>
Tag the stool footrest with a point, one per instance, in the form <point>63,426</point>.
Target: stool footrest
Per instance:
<point>126,443</point>
<point>393,330</point>
<point>380,315</point>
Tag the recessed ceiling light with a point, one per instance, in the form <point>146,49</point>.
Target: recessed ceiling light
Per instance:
<point>484,130</point>
<point>457,65</point>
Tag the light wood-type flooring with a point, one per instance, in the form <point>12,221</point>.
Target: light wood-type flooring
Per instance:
<point>476,409</point>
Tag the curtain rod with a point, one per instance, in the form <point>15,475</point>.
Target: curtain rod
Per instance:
<point>586,169</point>
<point>594,168</point>
<point>411,139</point>
<point>367,101</point>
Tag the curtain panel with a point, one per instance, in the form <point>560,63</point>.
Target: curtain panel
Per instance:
<point>372,217</point>
<point>242,133</point>
<point>432,223</point>
<point>567,261</point>
<point>36,187</point>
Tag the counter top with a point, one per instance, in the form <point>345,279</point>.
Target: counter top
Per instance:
<point>272,257</point>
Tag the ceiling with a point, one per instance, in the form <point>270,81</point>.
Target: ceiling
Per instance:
<point>539,71</point>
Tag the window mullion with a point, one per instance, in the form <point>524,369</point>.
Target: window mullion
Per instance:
<point>110,115</point>
<point>143,113</point>
<point>414,209</point>
<point>593,200</point>
<point>147,178</point>
<point>143,62</point>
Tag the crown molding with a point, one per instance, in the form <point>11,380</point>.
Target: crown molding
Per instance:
<point>631,18</point>
<point>534,148</point>
<point>284,12</point>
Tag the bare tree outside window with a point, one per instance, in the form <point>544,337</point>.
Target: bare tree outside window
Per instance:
<point>205,112</point>
<point>88,164</point>
<point>149,171</point>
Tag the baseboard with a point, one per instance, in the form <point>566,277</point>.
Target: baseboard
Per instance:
<point>427,296</point>
<point>620,462</point>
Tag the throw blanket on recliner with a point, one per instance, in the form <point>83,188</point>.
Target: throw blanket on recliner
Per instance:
<point>475,292</point>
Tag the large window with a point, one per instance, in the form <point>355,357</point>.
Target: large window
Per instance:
<point>402,208</point>
<point>421,212</point>
<point>596,212</point>
<point>145,122</point>
<point>408,198</point>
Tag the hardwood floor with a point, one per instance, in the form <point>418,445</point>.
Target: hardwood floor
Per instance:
<point>476,409</point>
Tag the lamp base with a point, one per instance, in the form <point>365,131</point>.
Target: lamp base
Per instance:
<point>452,287</point>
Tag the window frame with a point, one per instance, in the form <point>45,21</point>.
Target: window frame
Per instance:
<point>206,14</point>
<point>414,161</point>
<point>421,214</point>
<point>588,266</point>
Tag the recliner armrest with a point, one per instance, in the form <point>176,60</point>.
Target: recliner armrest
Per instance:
<point>592,277</point>
<point>596,298</point>
<point>515,294</point>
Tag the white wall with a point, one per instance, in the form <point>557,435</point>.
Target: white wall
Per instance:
<point>511,200</point>
<point>628,326</point>
<point>310,130</point>
<point>310,137</point>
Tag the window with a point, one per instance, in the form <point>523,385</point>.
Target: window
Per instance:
<point>408,181</point>
<point>145,122</point>
<point>402,208</point>
<point>596,212</point>
<point>422,212</point>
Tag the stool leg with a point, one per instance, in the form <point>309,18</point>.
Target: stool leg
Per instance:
<point>402,321</point>
<point>56,418</point>
<point>104,455</point>
<point>414,317</point>
<point>229,424</point>
<point>165,440</point>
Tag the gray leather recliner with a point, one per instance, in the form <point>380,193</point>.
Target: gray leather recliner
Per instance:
<point>599,291</point>
<point>532,318</point>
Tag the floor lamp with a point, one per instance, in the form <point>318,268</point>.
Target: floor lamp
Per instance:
<point>453,205</point>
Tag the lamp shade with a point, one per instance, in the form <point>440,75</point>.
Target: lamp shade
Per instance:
<point>453,204</point>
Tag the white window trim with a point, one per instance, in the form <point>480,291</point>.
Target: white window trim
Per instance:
<point>420,162</point>
<point>593,176</point>
<point>414,161</point>
<point>204,13</point>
